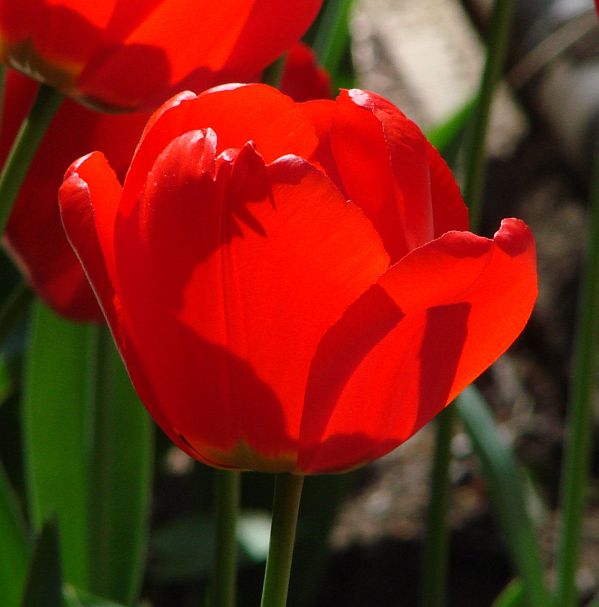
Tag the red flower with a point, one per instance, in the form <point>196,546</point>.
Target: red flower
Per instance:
<point>303,78</point>
<point>134,54</point>
<point>290,285</point>
<point>35,237</point>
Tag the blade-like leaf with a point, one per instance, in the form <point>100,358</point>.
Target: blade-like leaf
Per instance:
<point>73,597</point>
<point>44,581</point>
<point>513,595</point>
<point>507,492</point>
<point>56,429</point>
<point>121,475</point>
<point>332,36</point>
<point>445,134</point>
<point>14,546</point>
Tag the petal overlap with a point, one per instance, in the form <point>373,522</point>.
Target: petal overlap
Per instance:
<point>271,316</point>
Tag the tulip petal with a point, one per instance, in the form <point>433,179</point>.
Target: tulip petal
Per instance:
<point>303,78</point>
<point>88,200</point>
<point>133,55</point>
<point>88,204</point>
<point>234,41</point>
<point>433,323</point>
<point>406,144</point>
<point>269,28</point>
<point>383,162</point>
<point>270,119</point>
<point>279,255</point>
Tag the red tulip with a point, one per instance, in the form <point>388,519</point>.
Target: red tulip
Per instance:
<point>133,55</point>
<point>35,237</point>
<point>291,285</point>
<point>303,78</point>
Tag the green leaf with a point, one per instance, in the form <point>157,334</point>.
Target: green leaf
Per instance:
<point>73,597</point>
<point>44,582</point>
<point>88,445</point>
<point>445,134</point>
<point>14,547</point>
<point>121,474</point>
<point>507,492</point>
<point>56,432</point>
<point>513,595</point>
<point>332,36</point>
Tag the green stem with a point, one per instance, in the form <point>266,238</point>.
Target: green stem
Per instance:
<point>225,549</point>
<point>24,148</point>
<point>288,491</point>
<point>273,74</point>
<point>331,38</point>
<point>14,308</point>
<point>475,157</point>
<point>435,550</point>
<point>434,566</point>
<point>576,462</point>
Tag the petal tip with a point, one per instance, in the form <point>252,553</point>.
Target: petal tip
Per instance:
<point>513,237</point>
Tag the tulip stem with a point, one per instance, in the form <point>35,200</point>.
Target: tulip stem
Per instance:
<point>576,461</point>
<point>288,491</point>
<point>273,74</point>
<point>434,565</point>
<point>24,148</point>
<point>228,484</point>
<point>475,156</point>
<point>332,35</point>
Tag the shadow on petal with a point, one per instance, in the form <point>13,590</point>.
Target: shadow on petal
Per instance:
<point>422,372</point>
<point>442,344</point>
<point>210,402</point>
<point>364,324</point>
